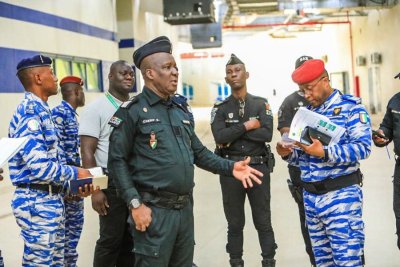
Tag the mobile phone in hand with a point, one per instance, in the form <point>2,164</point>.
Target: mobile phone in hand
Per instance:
<point>376,133</point>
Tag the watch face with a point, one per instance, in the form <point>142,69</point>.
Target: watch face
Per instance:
<point>135,203</point>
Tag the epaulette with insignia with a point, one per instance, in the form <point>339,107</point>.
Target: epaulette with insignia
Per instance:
<point>261,98</point>
<point>352,98</point>
<point>128,103</point>
<point>30,107</point>
<point>219,102</point>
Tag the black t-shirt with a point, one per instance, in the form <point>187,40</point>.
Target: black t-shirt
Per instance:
<point>289,108</point>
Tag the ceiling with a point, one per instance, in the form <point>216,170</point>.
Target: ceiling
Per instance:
<point>270,12</point>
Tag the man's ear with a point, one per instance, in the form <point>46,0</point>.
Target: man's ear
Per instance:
<point>76,90</point>
<point>37,78</point>
<point>149,74</point>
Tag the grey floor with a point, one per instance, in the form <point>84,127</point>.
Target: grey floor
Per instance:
<point>210,224</point>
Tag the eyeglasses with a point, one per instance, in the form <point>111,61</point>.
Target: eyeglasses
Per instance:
<point>310,87</point>
<point>242,104</point>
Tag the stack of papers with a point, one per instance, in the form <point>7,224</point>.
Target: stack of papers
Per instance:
<point>305,118</point>
<point>9,147</point>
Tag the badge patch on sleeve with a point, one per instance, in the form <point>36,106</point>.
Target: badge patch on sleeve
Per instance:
<point>115,121</point>
<point>363,117</point>
<point>268,109</point>
<point>213,112</point>
<point>33,125</point>
<point>59,120</point>
<point>336,111</point>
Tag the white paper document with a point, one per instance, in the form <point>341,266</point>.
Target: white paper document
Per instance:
<point>9,147</point>
<point>307,118</point>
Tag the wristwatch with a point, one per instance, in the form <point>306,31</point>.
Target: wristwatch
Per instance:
<point>135,203</point>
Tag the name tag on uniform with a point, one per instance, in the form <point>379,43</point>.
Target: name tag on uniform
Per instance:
<point>186,122</point>
<point>147,121</point>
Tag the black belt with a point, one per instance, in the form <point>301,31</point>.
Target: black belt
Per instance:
<point>253,159</point>
<point>51,189</point>
<point>327,185</point>
<point>164,199</point>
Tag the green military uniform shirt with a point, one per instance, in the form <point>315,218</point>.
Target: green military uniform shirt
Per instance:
<point>153,145</point>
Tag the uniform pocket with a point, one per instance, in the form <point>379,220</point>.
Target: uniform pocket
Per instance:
<point>146,249</point>
<point>356,229</point>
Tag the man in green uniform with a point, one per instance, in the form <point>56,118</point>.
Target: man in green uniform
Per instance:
<point>153,149</point>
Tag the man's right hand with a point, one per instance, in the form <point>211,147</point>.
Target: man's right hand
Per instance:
<point>283,150</point>
<point>252,124</point>
<point>100,203</point>
<point>83,173</point>
<point>379,138</point>
<point>142,217</point>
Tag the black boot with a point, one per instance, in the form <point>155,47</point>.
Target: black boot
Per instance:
<point>398,241</point>
<point>236,263</point>
<point>268,263</point>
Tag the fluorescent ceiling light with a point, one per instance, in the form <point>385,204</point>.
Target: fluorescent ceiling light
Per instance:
<point>258,4</point>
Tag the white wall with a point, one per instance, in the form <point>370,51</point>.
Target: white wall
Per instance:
<point>30,36</point>
<point>379,32</point>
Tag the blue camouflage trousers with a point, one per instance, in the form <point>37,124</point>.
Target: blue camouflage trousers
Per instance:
<point>41,219</point>
<point>336,227</point>
<point>73,229</point>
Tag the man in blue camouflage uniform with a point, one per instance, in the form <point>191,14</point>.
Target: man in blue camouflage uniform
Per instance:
<point>330,173</point>
<point>36,170</point>
<point>65,118</point>
<point>389,131</point>
<point>286,113</point>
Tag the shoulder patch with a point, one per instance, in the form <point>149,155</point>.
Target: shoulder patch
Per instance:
<point>129,103</point>
<point>364,118</point>
<point>213,112</point>
<point>261,98</point>
<point>352,98</point>
<point>115,121</point>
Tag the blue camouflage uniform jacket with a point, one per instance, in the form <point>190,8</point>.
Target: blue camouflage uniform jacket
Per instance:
<point>65,119</point>
<point>355,144</point>
<point>39,161</point>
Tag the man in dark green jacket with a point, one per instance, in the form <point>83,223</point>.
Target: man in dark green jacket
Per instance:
<point>153,149</point>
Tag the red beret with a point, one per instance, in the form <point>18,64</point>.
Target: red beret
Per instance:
<point>71,79</point>
<point>308,71</point>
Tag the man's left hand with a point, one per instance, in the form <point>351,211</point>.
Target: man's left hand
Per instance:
<point>315,149</point>
<point>244,173</point>
<point>88,190</point>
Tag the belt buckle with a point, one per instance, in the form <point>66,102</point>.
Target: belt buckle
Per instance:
<point>50,190</point>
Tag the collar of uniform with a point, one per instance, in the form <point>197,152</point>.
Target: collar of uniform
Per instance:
<point>246,98</point>
<point>68,106</point>
<point>32,96</point>
<point>151,97</point>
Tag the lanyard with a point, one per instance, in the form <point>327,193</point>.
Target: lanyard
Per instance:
<point>112,100</point>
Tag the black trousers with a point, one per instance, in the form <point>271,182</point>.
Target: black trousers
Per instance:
<point>396,195</point>
<point>295,177</point>
<point>233,196</point>
<point>115,245</point>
